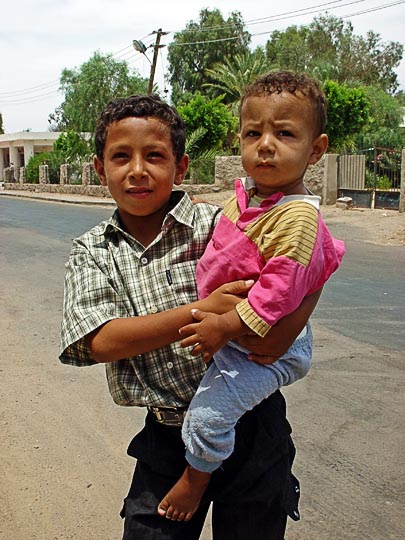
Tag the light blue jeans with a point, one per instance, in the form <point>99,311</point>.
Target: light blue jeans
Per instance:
<point>231,386</point>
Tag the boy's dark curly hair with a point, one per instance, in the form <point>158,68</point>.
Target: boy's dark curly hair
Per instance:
<point>276,82</point>
<point>141,106</point>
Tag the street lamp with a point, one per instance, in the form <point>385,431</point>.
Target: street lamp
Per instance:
<point>140,47</point>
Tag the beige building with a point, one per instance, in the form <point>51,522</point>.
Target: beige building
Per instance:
<point>17,148</point>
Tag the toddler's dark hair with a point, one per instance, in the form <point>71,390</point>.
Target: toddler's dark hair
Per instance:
<point>141,106</point>
<point>276,82</point>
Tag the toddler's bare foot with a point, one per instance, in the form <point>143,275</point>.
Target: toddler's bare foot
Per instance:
<point>184,498</point>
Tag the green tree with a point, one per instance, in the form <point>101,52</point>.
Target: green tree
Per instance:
<point>1,124</point>
<point>289,49</point>
<point>211,115</point>
<point>383,128</point>
<point>328,49</point>
<point>200,46</point>
<point>89,88</point>
<point>348,113</point>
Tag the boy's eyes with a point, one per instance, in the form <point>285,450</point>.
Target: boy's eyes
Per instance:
<point>120,155</point>
<point>155,154</point>
<point>125,155</point>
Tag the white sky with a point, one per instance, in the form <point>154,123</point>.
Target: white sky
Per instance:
<point>39,39</point>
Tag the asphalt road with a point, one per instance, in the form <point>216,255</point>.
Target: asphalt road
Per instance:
<point>365,300</point>
<point>62,458</point>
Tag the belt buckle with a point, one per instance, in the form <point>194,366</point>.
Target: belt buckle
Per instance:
<point>168,417</point>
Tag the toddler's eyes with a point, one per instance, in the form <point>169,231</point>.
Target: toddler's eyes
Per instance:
<point>285,133</point>
<point>252,133</point>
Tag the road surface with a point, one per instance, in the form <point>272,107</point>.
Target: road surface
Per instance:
<point>63,456</point>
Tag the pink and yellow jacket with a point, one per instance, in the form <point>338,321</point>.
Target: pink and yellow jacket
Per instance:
<point>284,245</point>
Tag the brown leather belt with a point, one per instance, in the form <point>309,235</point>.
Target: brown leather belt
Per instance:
<point>170,416</point>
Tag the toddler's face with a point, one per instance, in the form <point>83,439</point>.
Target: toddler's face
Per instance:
<point>278,142</point>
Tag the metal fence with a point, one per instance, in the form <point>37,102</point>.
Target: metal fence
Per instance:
<point>371,177</point>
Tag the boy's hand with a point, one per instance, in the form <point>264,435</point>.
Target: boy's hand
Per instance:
<point>282,335</point>
<point>211,333</point>
<point>226,297</point>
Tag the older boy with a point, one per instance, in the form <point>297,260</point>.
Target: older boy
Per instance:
<point>129,287</point>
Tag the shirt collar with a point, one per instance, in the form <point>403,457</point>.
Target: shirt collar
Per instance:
<point>181,211</point>
<point>250,188</point>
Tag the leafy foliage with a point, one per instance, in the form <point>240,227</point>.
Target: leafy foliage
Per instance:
<point>1,124</point>
<point>71,148</point>
<point>328,49</point>
<point>200,46</point>
<point>211,115</point>
<point>348,113</point>
<point>44,158</point>
<point>383,128</point>
<point>88,89</point>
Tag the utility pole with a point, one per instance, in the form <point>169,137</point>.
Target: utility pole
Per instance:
<point>156,48</point>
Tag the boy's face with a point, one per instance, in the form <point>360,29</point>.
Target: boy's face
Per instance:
<point>140,169</point>
<point>278,142</point>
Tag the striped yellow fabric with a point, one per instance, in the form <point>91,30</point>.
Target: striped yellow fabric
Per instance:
<point>251,319</point>
<point>231,209</point>
<point>288,230</point>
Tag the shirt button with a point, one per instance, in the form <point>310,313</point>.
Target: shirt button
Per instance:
<point>144,260</point>
<point>169,365</point>
<point>153,309</point>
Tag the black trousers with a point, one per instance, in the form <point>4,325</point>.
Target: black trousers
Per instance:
<point>252,493</point>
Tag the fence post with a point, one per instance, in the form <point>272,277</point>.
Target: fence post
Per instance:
<point>43,174</point>
<point>330,184</point>
<point>64,174</point>
<point>402,192</point>
<point>87,174</point>
<point>22,176</point>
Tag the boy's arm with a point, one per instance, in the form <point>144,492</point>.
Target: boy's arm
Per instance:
<point>281,335</point>
<point>125,337</point>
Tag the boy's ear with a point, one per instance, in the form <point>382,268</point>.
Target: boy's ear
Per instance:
<point>319,146</point>
<point>99,168</point>
<point>181,169</point>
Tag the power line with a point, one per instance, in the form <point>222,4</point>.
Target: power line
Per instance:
<point>32,89</point>
<point>369,10</point>
<point>126,53</point>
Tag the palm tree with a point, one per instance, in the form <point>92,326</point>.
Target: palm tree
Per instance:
<point>234,74</point>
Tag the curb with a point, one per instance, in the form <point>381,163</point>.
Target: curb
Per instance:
<point>58,199</point>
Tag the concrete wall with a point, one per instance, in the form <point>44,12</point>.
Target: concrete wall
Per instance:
<point>227,168</point>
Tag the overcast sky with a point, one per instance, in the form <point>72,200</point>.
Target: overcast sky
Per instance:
<point>39,39</point>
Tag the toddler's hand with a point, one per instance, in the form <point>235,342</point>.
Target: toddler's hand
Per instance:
<point>206,337</point>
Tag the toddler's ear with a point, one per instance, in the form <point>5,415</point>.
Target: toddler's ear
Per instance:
<point>319,146</point>
<point>99,168</point>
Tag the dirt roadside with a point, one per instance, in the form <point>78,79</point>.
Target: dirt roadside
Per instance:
<point>62,457</point>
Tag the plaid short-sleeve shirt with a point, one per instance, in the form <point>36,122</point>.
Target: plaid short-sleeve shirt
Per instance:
<point>110,275</point>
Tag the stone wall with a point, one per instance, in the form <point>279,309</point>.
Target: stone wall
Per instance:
<point>227,168</point>
<point>89,191</point>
